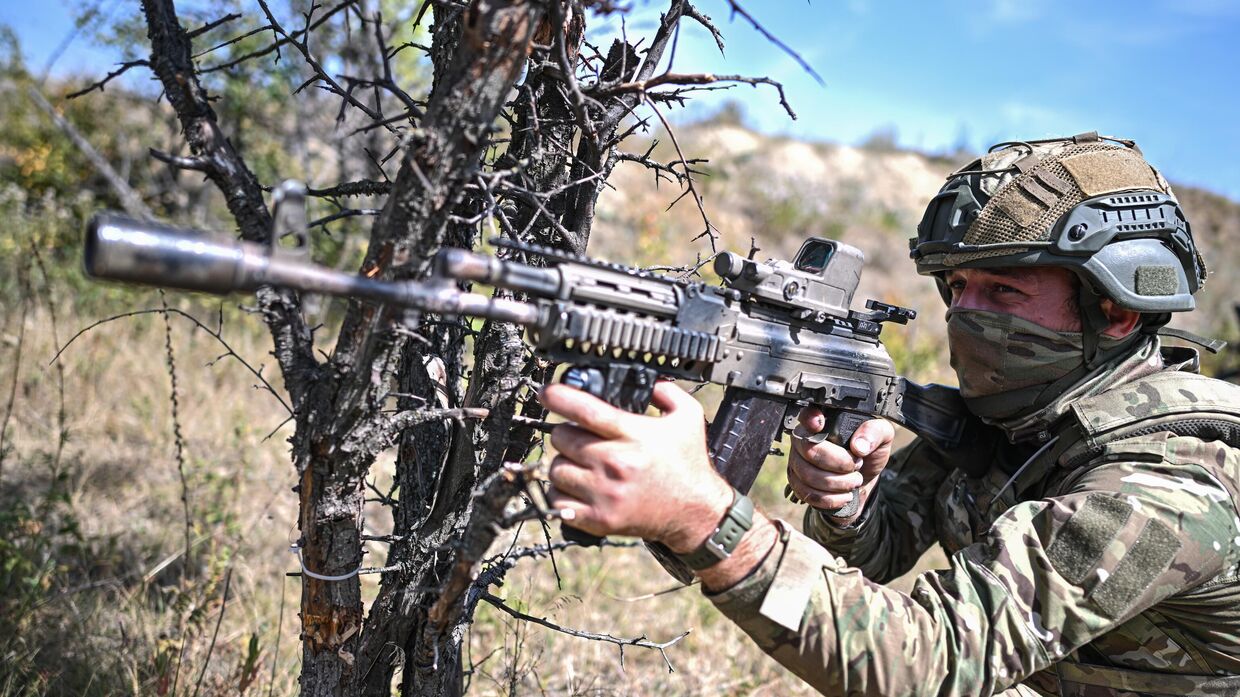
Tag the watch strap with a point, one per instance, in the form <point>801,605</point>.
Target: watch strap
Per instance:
<point>720,545</point>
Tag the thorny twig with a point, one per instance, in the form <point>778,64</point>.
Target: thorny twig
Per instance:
<point>23,278</point>
<point>216,334</point>
<point>178,437</point>
<point>738,10</point>
<point>640,641</point>
<point>218,621</point>
<point>690,189</point>
<point>320,72</point>
<point>100,84</point>
<point>195,33</point>
<point>62,435</point>
<point>273,47</point>
<point>670,78</point>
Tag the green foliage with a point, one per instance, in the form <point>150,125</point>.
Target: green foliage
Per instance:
<point>39,533</point>
<point>50,226</point>
<point>881,140</point>
<point>780,212</point>
<point>63,588</point>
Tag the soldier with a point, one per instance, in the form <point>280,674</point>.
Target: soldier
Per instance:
<point>1095,551</point>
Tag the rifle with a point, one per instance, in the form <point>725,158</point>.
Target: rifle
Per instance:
<point>777,335</point>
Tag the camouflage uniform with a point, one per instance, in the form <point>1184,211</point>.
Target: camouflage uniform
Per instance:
<point>1096,551</point>
<point>1113,557</point>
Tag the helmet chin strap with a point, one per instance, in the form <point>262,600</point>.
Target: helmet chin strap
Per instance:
<point>1093,322</point>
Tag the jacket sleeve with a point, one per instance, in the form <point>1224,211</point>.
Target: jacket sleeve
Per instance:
<point>897,526</point>
<point>1049,576</point>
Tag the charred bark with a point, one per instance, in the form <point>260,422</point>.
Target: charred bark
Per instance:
<point>542,187</point>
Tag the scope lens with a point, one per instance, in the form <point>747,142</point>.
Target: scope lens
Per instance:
<point>814,255</point>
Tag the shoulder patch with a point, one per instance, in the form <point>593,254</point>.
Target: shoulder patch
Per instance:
<point>1148,558</point>
<point>1080,542</point>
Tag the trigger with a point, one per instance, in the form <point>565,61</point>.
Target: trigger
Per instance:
<point>801,432</point>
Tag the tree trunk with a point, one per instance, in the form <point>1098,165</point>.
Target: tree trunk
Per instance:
<point>561,151</point>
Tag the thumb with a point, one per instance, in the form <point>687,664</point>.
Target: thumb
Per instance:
<point>669,398</point>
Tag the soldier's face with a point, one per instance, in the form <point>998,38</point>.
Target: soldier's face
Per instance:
<point>1046,296</point>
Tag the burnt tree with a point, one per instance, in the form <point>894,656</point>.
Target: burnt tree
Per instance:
<point>520,130</point>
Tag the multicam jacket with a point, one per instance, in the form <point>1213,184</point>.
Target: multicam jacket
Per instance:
<point>1104,560</point>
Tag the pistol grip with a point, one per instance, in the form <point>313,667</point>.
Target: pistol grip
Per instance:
<point>839,429</point>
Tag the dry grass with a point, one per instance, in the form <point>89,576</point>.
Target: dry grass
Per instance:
<point>119,605</point>
<point>111,607</point>
<point>120,600</point>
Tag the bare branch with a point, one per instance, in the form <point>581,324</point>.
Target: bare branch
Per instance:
<point>696,15</point>
<point>362,187</point>
<point>669,78</point>
<point>690,188</point>
<point>124,67</point>
<point>368,440</point>
<point>196,164</point>
<point>130,200</point>
<point>274,47</point>
<point>641,641</point>
<point>342,214</point>
<point>303,48</point>
<point>738,10</point>
<point>195,33</point>
<point>215,334</point>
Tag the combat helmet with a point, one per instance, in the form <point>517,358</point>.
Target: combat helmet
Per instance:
<point>1088,203</point>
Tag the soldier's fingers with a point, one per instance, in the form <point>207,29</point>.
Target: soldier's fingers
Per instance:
<point>812,419</point>
<point>828,502</point>
<point>817,499</point>
<point>872,436</point>
<point>569,478</point>
<point>575,512</point>
<point>575,443</point>
<point>825,455</point>
<point>586,410</point>
<point>818,481</point>
<point>670,399</point>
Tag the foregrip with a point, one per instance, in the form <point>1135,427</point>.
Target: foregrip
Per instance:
<point>627,387</point>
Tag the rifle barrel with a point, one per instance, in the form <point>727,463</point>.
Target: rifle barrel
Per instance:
<point>467,266</point>
<point>123,249</point>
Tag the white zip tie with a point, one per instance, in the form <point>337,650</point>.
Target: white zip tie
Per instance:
<point>343,577</point>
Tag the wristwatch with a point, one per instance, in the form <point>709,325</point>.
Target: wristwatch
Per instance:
<point>720,545</point>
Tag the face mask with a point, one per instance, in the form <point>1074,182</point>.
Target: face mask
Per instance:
<point>1006,364</point>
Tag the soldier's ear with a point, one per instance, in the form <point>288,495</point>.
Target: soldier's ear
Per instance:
<point>1123,321</point>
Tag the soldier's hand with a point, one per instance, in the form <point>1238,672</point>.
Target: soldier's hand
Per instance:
<point>824,475</point>
<point>619,473</point>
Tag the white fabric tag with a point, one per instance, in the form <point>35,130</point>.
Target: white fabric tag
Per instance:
<point>790,590</point>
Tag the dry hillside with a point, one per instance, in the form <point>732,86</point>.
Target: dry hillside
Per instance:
<point>779,190</point>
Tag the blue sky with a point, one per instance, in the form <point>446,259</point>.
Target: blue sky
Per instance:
<point>938,72</point>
